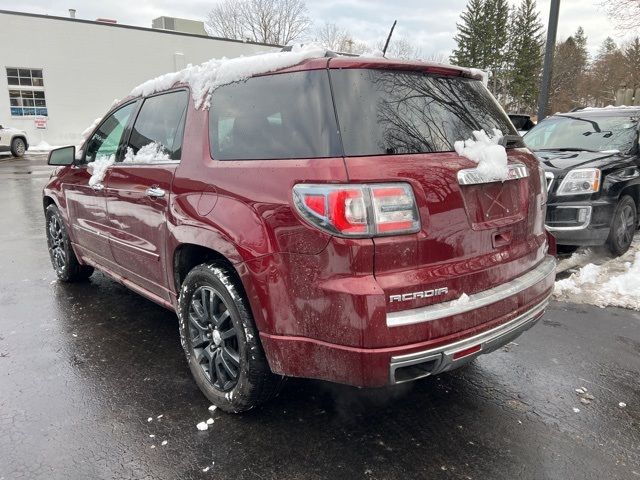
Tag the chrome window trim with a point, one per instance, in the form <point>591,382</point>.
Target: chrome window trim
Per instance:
<point>582,226</point>
<point>471,176</point>
<point>430,313</point>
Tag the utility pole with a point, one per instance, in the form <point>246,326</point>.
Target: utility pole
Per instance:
<point>543,100</point>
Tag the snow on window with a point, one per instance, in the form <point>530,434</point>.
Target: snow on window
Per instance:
<point>98,168</point>
<point>206,77</point>
<point>85,135</point>
<point>486,151</point>
<point>150,153</point>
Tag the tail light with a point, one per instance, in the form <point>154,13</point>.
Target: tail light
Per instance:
<point>359,210</point>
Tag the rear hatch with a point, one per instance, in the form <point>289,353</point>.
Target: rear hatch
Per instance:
<point>401,126</point>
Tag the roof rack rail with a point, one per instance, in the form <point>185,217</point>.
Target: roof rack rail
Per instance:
<point>329,53</point>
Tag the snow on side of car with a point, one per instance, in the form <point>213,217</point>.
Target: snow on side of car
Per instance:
<point>486,151</point>
<point>612,283</point>
<point>150,153</point>
<point>98,168</point>
<point>203,79</point>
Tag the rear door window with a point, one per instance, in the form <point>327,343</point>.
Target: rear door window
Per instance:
<point>274,117</point>
<point>384,112</point>
<point>159,128</point>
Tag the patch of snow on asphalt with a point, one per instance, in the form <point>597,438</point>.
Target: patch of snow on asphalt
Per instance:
<point>487,152</point>
<point>615,282</point>
<point>206,77</point>
<point>202,426</point>
<point>42,146</point>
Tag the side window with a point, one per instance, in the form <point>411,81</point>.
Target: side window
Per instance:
<point>106,139</point>
<point>274,117</point>
<point>157,132</point>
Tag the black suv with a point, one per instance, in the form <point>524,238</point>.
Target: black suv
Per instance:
<point>592,164</point>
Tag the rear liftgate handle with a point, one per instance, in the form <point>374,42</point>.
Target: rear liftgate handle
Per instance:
<point>155,192</point>
<point>501,239</point>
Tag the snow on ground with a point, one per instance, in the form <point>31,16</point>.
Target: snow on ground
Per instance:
<point>206,77</point>
<point>486,151</point>
<point>601,280</point>
<point>41,147</point>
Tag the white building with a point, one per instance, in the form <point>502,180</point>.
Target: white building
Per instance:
<point>70,71</point>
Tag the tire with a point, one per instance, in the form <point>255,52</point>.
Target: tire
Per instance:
<point>623,226</point>
<point>221,341</point>
<point>18,147</point>
<point>63,259</point>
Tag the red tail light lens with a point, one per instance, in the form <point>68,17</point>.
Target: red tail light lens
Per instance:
<point>359,210</point>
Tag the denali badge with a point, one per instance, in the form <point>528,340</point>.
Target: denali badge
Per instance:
<point>424,294</point>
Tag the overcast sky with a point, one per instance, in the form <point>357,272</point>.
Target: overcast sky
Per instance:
<point>429,24</point>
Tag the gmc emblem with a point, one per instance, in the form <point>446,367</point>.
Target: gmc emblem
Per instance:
<point>423,294</point>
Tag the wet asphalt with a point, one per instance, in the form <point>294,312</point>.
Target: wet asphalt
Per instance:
<point>83,367</point>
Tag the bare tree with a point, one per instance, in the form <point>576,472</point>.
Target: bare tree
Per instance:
<point>625,13</point>
<point>338,39</point>
<point>401,48</point>
<point>268,21</point>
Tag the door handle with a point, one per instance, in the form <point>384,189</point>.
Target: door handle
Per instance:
<point>155,192</point>
<point>97,187</point>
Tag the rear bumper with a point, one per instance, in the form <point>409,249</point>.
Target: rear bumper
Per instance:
<point>375,367</point>
<point>404,368</point>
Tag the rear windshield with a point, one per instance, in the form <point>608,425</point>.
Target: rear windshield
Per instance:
<point>384,112</point>
<point>274,116</point>
<point>585,132</point>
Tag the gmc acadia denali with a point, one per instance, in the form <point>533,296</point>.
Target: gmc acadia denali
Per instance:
<point>312,221</point>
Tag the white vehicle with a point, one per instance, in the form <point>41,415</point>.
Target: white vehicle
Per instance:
<point>13,140</point>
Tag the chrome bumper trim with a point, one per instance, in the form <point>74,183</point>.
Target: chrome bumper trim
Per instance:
<point>430,313</point>
<point>442,357</point>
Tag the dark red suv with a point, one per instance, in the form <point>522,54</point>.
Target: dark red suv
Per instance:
<point>313,221</point>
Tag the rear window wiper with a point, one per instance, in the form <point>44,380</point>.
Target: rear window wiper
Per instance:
<point>566,149</point>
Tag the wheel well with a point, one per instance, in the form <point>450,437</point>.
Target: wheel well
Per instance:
<point>634,192</point>
<point>46,201</point>
<point>188,256</point>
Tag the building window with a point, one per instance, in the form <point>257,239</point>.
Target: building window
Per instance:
<point>26,92</point>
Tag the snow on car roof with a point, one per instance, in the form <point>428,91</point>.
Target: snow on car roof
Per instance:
<point>203,79</point>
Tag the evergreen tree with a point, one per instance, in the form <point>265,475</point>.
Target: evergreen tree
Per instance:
<point>568,89</point>
<point>482,38</point>
<point>525,57</point>
<point>470,37</point>
<point>632,62</point>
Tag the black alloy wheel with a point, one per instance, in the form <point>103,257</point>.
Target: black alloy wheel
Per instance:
<point>214,338</point>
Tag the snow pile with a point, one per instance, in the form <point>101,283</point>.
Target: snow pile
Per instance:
<point>98,168</point>
<point>614,283</point>
<point>487,152</point>
<point>41,147</point>
<point>206,77</point>
<point>150,153</point>
<point>460,301</point>
<point>610,107</point>
<point>481,73</point>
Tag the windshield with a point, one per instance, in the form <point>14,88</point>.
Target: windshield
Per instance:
<point>392,112</point>
<point>597,133</point>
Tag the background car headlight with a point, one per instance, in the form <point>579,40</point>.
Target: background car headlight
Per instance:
<point>580,181</point>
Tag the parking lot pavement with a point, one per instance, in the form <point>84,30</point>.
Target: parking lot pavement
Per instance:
<point>93,381</point>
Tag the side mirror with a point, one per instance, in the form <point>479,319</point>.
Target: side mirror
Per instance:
<point>62,156</point>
